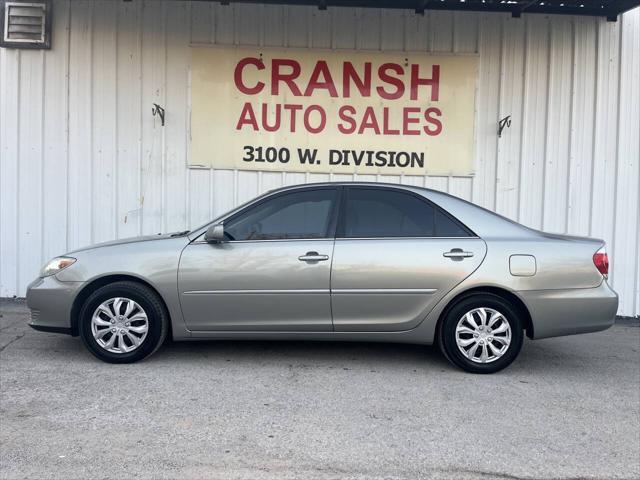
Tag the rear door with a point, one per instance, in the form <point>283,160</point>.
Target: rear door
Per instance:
<point>395,256</point>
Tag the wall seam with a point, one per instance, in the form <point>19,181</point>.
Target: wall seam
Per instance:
<point>499,109</point>
<point>91,109</point>
<point>2,205</point>
<point>139,39</point>
<point>163,144</point>
<point>523,104</point>
<point>17,207</point>
<point>67,123</point>
<point>617,155</point>
<point>568,186</point>
<point>187,146</point>
<point>42,150</point>
<point>596,85</point>
<point>116,150</point>
<point>637,295</point>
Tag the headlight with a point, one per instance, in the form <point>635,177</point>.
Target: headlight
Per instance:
<point>56,265</point>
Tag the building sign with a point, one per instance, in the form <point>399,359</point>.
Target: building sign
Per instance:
<point>332,111</point>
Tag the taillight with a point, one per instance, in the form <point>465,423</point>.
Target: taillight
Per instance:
<point>601,261</point>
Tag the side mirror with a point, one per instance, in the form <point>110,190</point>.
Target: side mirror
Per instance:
<point>214,234</point>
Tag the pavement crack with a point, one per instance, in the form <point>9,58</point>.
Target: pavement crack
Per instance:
<point>7,327</point>
<point>14,340</point>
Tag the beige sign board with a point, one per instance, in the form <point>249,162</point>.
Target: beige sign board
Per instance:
<point>307,110</point>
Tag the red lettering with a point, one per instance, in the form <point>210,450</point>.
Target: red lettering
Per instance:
<point>237,75</point>
<point>247,117</point>
<point>323,118</point>
<point>436,124</point>
<point>385,123</point>
<point>349,74</point>
<point>277,76</point>
<point>321,68</point>
<point>407,120</point>
<point>342,113</point>
<point>265,114</point>
<point>369,121</point>
<point>433,82</point>
<point>293,108</point>
<point>386,78</point>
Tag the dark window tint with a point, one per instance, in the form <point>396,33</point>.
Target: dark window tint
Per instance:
<point>293,215</point>
<point>381,213</point>
<point>447,227</point>
<point>389,213</point>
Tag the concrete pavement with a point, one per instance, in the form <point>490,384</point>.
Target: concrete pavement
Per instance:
<point>567,408</point>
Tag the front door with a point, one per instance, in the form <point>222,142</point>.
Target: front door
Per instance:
<point>396,255</point>
<point>273,273</point>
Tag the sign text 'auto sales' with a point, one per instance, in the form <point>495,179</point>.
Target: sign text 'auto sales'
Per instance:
<point>332,111</point>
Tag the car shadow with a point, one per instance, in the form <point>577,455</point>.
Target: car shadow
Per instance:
<point>308,352</point>
<point>565,355</point>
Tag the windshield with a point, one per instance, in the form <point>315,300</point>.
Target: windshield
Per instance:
<point>196,231</point>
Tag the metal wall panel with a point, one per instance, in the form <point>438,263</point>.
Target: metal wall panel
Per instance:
<point>83,160</point>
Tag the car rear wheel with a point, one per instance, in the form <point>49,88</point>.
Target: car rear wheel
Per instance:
<point>123,322</point>
<point>482,333</point>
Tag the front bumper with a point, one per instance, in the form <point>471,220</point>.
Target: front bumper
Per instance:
<point>50,302</point>
<point>566,312</point>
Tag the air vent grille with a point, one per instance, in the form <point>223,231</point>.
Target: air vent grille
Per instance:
<point>26,24</point>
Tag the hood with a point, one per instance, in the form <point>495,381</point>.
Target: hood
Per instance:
<point>122,241</point>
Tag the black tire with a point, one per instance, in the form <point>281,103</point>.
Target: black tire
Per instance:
<point>158,320</point>
<point>447,333</point>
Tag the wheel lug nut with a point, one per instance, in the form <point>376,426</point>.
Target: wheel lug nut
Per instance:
<point>113,320</point>
<point>481,342</point>
<point>127,324</point>
<point>475,335</point>
<point>113,330</point>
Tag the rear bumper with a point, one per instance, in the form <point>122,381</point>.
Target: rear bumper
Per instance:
<point>50,302</point>
<point>567,312</point>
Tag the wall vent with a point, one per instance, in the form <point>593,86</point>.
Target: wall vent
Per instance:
<point>25,24</point>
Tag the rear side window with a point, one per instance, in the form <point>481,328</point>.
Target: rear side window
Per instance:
<point>295,215</point>
<point>446,227</point>
<point>375,213</point>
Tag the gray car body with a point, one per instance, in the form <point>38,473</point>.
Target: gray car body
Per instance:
<point>382,289</point>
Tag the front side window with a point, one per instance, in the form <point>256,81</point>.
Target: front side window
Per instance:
<point>375,213</point>
<point>295,215</point>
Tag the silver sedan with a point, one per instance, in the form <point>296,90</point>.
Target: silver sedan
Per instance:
<point>334,261</point>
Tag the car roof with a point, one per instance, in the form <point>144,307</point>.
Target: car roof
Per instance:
<point>352,183</point>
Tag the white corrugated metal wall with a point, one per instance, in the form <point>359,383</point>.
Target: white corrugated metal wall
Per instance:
<point>83,160</point>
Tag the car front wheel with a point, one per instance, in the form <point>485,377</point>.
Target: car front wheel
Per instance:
<point>123,322</point>
<point>481,334</point>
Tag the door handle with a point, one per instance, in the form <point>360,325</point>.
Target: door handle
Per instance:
<point>457,254</point>
<point>313,257</point>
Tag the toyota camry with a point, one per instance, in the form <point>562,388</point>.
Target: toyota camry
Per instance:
<point>333,261</point>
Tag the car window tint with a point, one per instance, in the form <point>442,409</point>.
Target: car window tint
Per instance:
<point>389,213</point>
<point>293,215</point>
<point>380,213</point>
<point>447,227</point>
